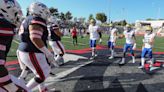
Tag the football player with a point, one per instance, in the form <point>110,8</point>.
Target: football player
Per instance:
<point>112,39</point>
<point>10,18</point>
<point>55,40</point>
<point>33,51</point>
<point>94,36</point>
<point>148,43</point>
<point>129,35</point>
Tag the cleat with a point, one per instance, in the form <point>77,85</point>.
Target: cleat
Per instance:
<point>61,62</point>
<point>91,58</point>
<point>122,62</point>
<point>95,55</point>
<point>111,57</point>
<point>133,60</point>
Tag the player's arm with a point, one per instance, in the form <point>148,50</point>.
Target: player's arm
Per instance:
<point>159,33</point>
<point>152,40</point>
<point>36,32</point>
<point>121,36</point>
<point>115,36</point>
<point>134,37</point>
<point>98,30</point>
<point>57,31</point>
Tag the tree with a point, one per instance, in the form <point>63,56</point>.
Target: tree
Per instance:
<point>81,20</point>
<point>101,17</point>
<point>68,15</point>
<point>149,19</point>
<point>54,11</point>
<point>27,11</point>
<point>62,16</point>
<point>90,17</point>
<point>123,23</point>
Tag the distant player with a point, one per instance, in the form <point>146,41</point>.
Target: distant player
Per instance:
<point>74,35</point>
<point>55,40</point>
<point>112,39</point>
<point>130,44</point>
<point>94,36</point>
<point>32,51</point>
<point>148,43</point>
<point>10,18</point>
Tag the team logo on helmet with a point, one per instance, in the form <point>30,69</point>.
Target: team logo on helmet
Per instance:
<point>42,5</point>
<point>10,3</point>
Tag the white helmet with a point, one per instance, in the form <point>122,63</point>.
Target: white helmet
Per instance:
<point>52,19</point>
<point>11,11</point>
<point>39,9</point>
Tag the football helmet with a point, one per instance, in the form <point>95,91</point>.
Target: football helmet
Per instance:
<point>39,9</point>
<point>11,11</point>
<point>111,25</point>
<point>92,21</point>
<point>52,19</point>
<point>148,29</point>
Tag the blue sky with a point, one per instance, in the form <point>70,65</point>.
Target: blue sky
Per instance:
<point>130,10</point>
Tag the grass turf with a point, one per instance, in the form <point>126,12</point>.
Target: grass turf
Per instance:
<point>84,43</point>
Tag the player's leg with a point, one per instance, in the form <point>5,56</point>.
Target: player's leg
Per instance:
<point>100,36</point>
<point>53,46</point>
<point>20,84</point>
<point>37,63</point>
<point>93,47</point>
<point>5,80</point>
<point>111,47</point>
<point>125,49</point>
<point>60,50</point>
<point>150,53</point>
<point>22,67</point>
<point>73,40</point>
<point>132,53</point>
<point>144,52</point>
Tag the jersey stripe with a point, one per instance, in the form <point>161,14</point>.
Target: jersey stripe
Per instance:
<point>36,65</point>
<point>38,22</point>
<point>58,44</point>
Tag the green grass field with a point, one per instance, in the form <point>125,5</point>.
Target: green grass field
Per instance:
<point>84,43</point>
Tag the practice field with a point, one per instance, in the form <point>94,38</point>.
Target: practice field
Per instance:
<point>84,43</point>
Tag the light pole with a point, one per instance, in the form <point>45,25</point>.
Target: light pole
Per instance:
<point>158,13</point>
<point>109,10</point>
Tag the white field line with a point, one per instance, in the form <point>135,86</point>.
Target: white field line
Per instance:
<point>77,43</point>
<point>51,80</point>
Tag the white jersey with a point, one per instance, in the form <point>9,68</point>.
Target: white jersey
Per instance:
<point>147,39</point>
<point>112,34</point>
<point>93,31</point>
<point>129,36</point>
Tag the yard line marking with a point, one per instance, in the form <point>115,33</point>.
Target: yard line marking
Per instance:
<point>77,43</point>
<point>17,42</point>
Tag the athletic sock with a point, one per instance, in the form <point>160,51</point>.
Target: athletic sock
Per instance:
<point>32,84</point>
